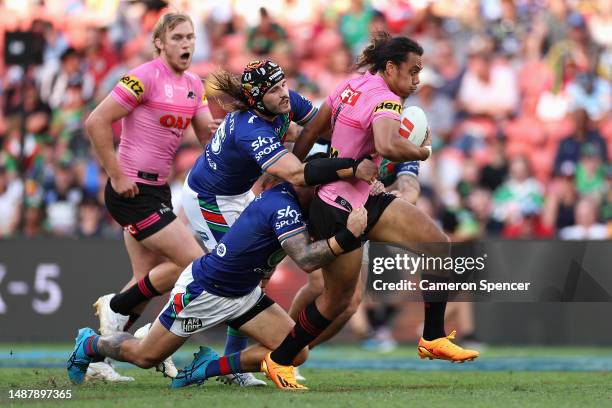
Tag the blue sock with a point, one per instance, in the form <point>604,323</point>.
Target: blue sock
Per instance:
<point>235,341</point>
<point>90,346</point>
<point>224,365</point>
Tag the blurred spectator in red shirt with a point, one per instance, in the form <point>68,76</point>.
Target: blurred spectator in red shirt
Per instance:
<point>99,57</point>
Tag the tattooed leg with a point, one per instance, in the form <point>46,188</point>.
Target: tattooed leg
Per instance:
<point>110,346</point>
<point>146,353</point>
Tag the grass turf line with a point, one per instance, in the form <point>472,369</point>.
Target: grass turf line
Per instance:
<point>329,388</point>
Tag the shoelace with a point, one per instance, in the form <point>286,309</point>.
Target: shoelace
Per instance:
<point>187,375</point>
<point>74,362</point>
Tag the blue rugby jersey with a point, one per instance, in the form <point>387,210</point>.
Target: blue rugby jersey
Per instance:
<point>244,146</point>
<point>251,249</point>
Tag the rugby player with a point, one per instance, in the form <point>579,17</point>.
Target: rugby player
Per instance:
<point>364,114</point>
<point>248,142</point>
<point>402,180</point>
<point>156,102</point>
<point>224,287</point>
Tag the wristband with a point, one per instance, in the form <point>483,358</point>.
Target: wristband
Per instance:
<point>323,171</point>
<point>347,241</point>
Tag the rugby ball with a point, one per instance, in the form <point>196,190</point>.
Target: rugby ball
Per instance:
<point>413,124</point>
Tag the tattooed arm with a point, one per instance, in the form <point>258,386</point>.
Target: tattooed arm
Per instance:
<point>310,256</point>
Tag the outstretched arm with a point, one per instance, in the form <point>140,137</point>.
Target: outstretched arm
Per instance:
<point>321,171</point>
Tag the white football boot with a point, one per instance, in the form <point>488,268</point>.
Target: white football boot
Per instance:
<point>242,380</point>
<point>103,370</point>
<point>298,376</point>
<point>110,322</point>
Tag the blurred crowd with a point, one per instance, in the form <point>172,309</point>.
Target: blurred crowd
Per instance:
<point>517,93</point>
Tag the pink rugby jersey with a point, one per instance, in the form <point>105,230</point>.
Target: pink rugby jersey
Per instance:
<point>356,104</point>
<point>162,105</point>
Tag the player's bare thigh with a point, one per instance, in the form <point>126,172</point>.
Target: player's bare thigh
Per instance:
<point>270,327</point>
<point>176,242</point>
<point>158,344</point>
<point>340,280</point>
<point>141,258</point>
<point>402,222</point>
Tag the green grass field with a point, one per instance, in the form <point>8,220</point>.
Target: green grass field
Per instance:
<point>357,381</point>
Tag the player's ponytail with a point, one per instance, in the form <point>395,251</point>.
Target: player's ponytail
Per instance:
<point>384,48</point>
<point>227,83</point>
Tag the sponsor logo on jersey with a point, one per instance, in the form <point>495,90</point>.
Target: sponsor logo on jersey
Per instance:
<point>191,95</point>
<point>261,141</point>
<point>406,128</point>
<point>267,150</point>
<point>174,122</point>
<point>221,250</point>
<point>350,96</point>
<point>389,106</point>
<point>132,85</point>
<point>287,216</point>
<point>191,324</point>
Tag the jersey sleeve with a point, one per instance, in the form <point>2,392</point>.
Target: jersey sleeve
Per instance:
<point>132,88</point>
<point>302,109</point>
<point>385,105</point>
<point>263,146</point>
<point>286,217</point>
<point>410,168</point>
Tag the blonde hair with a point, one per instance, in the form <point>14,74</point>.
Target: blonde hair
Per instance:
<point>167,22</point>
